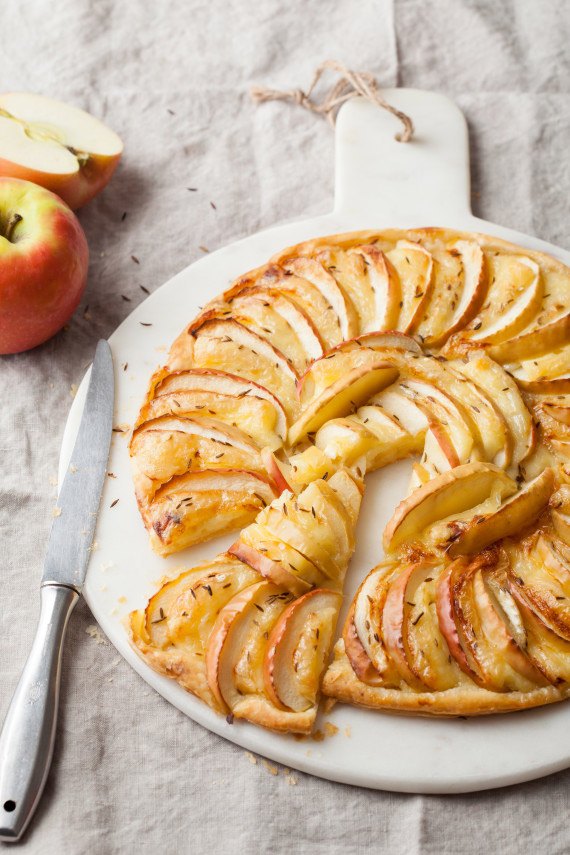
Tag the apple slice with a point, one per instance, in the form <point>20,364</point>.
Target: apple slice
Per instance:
<point>385,286</point>
<point>215,344</point>
<point>269,568</point>
<point>560,513</point>
<point>173,631</point>
<point>404,410</point>
<point>237,643</point>
<point>513,516</point>
<point>277,470</point>
<point>557,409</point>
<point>57,146</point>
<point>309,465</point>
<point>452,492</point>
<point>393,442</point>
<point>534,342</point>
<point>362,634</point>
<point>259,539</point>
<point>348,442</point>
<point>549,652</point>
<point>513,300</point>
<point>396,615</point>
<point>225,390</point>
<point>339,305</point>
<point>414,266</point>
<point>457,306</point>
<point>544,586</point>
<point>169,446</point>
<point>196,506</point>
<point>298,650</point>
<point>343,397</point>
<point>426,650</point>
<point>501,388</point>
<point>446,603</point>
<point>362,352</point>
<point>277,319</point>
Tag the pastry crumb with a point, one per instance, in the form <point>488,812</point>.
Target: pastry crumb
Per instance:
<point>330,728</point>
<point>72,468</point>
<point>56,512</point>
<point>291,780</point>
<point>318,736</point>
<point>348,731</point>
<point>53,480</point>
<point>251,757</point>
<point>95,633</point>
<point>122,599</point>
<point>73,390</point>
<point>124,427</point>
<point>273,770</point>
<point>328,705</point>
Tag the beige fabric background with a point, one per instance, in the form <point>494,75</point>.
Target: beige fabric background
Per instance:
<point>130,772</point>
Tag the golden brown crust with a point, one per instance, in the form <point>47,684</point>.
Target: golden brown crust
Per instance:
<point>341,683</point>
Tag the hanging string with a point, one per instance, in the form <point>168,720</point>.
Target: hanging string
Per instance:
<point>351,84</point>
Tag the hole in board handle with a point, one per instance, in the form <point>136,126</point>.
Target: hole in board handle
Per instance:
<point>9,806</point>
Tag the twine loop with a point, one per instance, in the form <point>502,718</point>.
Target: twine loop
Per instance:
<point>351,84</point>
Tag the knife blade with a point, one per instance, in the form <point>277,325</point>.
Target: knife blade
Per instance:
<point>71,536</point>
<point>28,734</point>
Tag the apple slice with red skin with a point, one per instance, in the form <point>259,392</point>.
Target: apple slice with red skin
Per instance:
<point>558,411</point>
<point>395,616</point>
<point>238,631</point>
<point>200,505</point>
<point>385,286</point>
<point>169,446</point>
<point>362,634</point>
<point>414,267</point>
<point>445,604</point>
<point>298,649</point>
<point>497,633</point>
<point>276,551</point>
<point>343,397</point>
<point>339,303</point>
<point>549,652</point>
<point>270,569</point>
<point>534,342</point>
<point>57,146</point>
<point>214,344</point>
<point>452,492</point>
<point>277,471</point>
<point>200,381</point>
<point>499,386</point>
<point>426,650</point>
<point>505,315</point>
<point>513,516</point>
<point>543,585</point>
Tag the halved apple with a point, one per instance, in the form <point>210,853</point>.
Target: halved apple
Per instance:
<point>237,643</point>
<point>168,446</point>
<point>342,397</point>
<point>196,506</point>
<point>502,390</point>
<point>414,266</point>
<point>298,650</point>
<point>452,492</point>
<point>215,344</point>
<point>339,304</point>
<point>513,516</point>
<point>230,398</point>
<point>513,299</point>
<point>60,147</point>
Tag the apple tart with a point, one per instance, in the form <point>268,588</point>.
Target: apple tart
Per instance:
<point>338,357</point>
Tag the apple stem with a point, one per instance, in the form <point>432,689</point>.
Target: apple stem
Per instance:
<point>11,225</point>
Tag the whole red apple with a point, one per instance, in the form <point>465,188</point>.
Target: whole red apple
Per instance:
<point>43,264</point>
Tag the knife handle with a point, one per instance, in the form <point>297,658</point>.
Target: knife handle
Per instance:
<point>27,739</point>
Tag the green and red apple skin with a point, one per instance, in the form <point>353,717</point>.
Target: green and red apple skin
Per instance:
<point>43,264</point>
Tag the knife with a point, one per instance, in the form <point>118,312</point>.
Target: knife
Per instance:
<point>28,734</point>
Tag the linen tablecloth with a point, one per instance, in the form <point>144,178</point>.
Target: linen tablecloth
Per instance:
<point>130,772</point>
